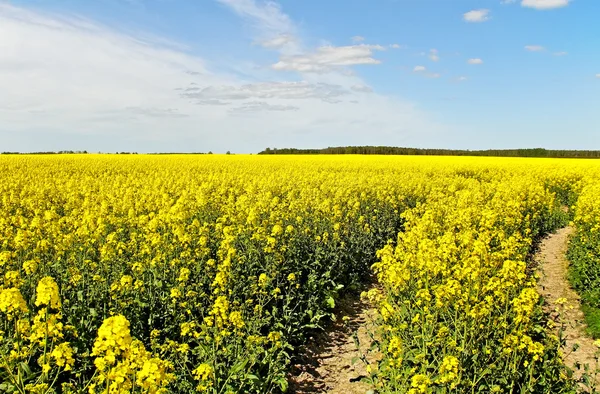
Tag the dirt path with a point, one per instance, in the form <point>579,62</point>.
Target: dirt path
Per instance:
<point>554,286</point>
<point>331,362</point>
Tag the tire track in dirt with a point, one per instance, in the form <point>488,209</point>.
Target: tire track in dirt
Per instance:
<point>331,361</point>
<point>563,303</point>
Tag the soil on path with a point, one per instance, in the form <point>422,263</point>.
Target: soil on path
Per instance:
<point>331,362</point>
<point>554,286</point>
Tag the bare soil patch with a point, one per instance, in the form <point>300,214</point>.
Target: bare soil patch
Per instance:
<point>332,362</point>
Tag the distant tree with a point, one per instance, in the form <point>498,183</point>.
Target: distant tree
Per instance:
<point>389,150</point>
<point>228,153</point>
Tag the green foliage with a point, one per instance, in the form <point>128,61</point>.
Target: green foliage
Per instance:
<point>391,150</point>
<point>584,275</point>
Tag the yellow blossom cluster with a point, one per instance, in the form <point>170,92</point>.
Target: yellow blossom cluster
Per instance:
<point>584,254</point>
<point>182,273</point>
<point>459,294</point>
<point>123,364</point>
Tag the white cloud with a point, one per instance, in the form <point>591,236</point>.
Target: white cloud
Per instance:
<point>329,58</point>
<point>278,42</point>
<point>274,28</point>
<point>396,46</point>
<point>257,106</point>
<point>562,53</point>
<point>545,4</point>
<point>433,55</point>
<point>278,31</point>
<point>265,90</point>
<point>267,16</point>
<point>76,84</point>
<point>362,88</point>
<point>598,75</point>
<point>461,79</point>
<point>475,61</point>
<point>422,70</point>
<point>480,15</point>
<point>508,1</point>
<point>534,48</point>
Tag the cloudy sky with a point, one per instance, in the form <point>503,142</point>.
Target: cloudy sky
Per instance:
<point>243,75</point>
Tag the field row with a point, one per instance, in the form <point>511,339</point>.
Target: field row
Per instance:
<point>181,273</point>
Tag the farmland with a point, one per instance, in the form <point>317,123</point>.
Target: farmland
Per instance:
<point>175,273</point>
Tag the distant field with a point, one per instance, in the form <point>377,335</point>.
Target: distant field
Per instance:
<point>178,273</point>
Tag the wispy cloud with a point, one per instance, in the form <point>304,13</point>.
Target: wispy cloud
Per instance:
<point>475,61</point>
<point>329,58</point>
<point>561,53</point>
<point>362,88</point>
<point>545,4</point>
<point>266,90</point>
<point>422,70</point>
<point>265,16</point>
<point>358,39</point>
<point>132,93</point>
<point>477,16</point>
<point>433,55</point>
<point>277,42</point>
<point>274,29</point>
<point>257,106</point>
<point>534,48</point>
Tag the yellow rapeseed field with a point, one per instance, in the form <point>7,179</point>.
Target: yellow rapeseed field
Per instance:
<point>181,273</point>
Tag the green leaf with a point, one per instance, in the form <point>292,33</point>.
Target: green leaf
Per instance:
<point>252,377</point>
<point>283,383</point>
<point>330,302</point>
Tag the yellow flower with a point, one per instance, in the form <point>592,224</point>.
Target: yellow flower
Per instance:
<point>235,318</point>
<point>419,384</point>
<point>12,278</point>
<point>449,370</point>
<point>30,266</point>
<point>263,279</point>
<point>40,388</point>
<point>203,372</point>
<point>12,302</point>
<point>275,338</point>
<point>63,356</point>
<point>277,230</point>
<point>113,337</point>
<point>395,347</point>
<point>175,293</point>
<point>47,293</point>
<point>184,274</point>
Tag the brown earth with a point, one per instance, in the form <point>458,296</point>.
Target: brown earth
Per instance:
<point>332,362</point>
<point>554,286</point>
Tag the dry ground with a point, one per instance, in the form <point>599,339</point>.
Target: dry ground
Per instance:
<point>331,362</point>
<point>553,285</point>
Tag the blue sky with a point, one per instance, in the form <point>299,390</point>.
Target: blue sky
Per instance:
<point>241,75</point>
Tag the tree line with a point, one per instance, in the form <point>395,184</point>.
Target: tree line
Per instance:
<point>391,150</point>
